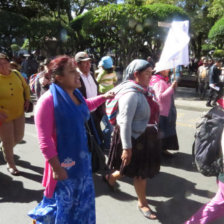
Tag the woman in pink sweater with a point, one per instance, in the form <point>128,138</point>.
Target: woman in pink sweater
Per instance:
<point>167,121</point>
<point>60,116</point>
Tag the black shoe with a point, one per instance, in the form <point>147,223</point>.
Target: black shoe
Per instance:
<point>208,105</point>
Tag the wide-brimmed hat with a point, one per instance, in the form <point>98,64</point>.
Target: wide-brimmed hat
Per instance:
<point>82,56</point>
<point>4,56</point>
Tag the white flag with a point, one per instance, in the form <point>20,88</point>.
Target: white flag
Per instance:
<point>175,51</point>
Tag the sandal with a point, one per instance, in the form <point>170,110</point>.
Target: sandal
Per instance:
<point>13,171</point>
<point>106,180</point>
<point>148,214</point>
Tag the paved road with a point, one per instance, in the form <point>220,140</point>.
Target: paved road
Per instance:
<point>176,193</point>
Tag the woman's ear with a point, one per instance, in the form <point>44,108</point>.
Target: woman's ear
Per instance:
<point>136,75</point>
<point>58,78</point>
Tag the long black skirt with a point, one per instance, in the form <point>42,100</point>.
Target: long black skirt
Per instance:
<point>167,129</point>
<point>146,154</point>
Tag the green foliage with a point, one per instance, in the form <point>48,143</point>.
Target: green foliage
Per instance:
<point>26,44</point>
<point>217,33</point>
<point>46,29</point>
<point>219,53</point>
<point>80,6</point>
<point>208,47</point>
<point>125,28</point>
<point>15,47</point>
<point>135,2</point>
<point>216,9</point>
<point>161,1</point>
<point>13,26</point>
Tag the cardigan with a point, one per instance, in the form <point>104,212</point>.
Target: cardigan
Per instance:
<point>12,93</point>
<point>46,131</point>
<point>164,92</point>
<point>133,117</point>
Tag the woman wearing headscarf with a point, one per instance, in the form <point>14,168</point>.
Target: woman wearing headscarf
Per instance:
<point>60,116</point>
<point>167,121</point>
<point>135,148</point>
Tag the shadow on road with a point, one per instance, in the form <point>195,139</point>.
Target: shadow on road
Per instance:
<point>28,165</point>
<point>13,191</point>
<point>180,160</point>
<point>178,208</point>
<point>101,188</point>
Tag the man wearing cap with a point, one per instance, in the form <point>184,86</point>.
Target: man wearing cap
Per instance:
<point>89,87</point>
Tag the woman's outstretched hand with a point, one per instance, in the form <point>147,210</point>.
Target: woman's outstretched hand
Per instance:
<point>109,95</point>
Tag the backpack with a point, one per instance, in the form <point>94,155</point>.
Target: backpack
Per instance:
<point>206,149</point>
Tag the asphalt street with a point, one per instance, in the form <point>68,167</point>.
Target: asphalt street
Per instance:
<point>175,194</point>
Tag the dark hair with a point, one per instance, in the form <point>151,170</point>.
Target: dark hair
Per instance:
<point>57,65</point>
<point>109,70</point>
<point>145,67</point>
<point>217,60</point>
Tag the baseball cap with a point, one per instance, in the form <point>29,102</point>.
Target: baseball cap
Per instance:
<point>106,62</point>
<point>82,56</point>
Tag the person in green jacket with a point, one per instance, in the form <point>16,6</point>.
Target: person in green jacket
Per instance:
<point>106,76</point>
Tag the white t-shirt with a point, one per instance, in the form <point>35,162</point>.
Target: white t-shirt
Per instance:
<point>91,87</point>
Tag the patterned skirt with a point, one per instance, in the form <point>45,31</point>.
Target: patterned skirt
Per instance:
<point>73,202</point>
<point>146,154</point>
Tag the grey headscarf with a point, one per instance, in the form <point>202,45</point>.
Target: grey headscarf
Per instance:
<point>136,65</point>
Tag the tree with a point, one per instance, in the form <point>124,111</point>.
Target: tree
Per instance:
<point>218,53</point>
<point>216,9</point>
<point>216,34</point>
<point>174,2</point>
<point>125,30</point>
<point>135,2</point>
<point>49,34</point>
<point>13,27</point>
<point>80,6</point>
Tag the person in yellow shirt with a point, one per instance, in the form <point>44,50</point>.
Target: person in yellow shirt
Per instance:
<point>14,101</point>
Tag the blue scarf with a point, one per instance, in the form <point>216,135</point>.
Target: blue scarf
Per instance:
<point>72,144</point>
